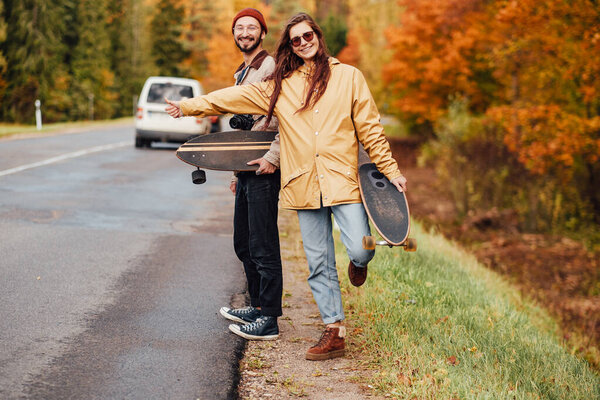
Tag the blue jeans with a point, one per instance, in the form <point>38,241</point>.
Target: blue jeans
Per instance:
<point>256,238</point>
<point>316,229</point>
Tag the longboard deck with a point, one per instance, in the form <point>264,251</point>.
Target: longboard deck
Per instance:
<point>226,151</point>
<point>385,205</point>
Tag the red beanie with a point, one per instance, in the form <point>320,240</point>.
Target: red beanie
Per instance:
<point>251,12</point>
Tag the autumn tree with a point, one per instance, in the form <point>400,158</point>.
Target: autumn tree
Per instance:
<point>223,57</point>
<point>527,67</point>
<point>366,47</point>
<point>436,55</point>
<point>544,57</point>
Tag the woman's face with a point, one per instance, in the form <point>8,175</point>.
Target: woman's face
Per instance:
<point>304,49</point>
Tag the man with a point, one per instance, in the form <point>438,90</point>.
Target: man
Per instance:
<point>256,236</point>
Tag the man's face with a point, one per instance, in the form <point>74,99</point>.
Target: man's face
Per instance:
<point>247,34</point>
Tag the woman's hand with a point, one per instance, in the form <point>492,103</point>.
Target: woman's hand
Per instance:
<point>400,183</point>
<point>173,108</point>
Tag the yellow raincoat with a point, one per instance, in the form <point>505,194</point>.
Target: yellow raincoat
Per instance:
<point>319,146</point>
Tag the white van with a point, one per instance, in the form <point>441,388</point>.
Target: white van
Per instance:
<point>153,124</point>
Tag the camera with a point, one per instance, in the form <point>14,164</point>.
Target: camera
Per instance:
<point>244,122</point>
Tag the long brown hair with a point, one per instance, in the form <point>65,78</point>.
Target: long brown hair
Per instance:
<point>286,62</point>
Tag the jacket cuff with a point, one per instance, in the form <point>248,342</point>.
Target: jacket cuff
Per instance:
<point>272,158</point>
<point>397,174</point>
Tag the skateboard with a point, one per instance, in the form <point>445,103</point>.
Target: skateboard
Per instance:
<point>387,209</point>
<point>225,151</point>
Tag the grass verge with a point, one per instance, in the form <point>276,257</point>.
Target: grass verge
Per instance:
<point>17,129</point>
<point>436,324</point>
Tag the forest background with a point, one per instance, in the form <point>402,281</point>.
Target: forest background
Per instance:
<point>504,95</point>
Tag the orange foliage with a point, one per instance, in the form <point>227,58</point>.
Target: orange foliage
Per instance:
<point>350,54</point>
<point>434,48</point>
<point>222,55</point>
<point>531,65</point>
<point>544,59</point>
<point>546,137</point>
<point>223,59</point>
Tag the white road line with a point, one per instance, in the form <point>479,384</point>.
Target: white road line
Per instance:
<point>65,157</point>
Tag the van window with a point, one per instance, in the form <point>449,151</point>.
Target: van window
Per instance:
<point>158,92</point>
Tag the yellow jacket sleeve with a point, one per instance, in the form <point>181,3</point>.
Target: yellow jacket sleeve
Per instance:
<point>242,99</point>
<point>369,130</point>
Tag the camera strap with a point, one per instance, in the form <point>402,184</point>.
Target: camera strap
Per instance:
<point>242,75</point>
<point>238,81</point>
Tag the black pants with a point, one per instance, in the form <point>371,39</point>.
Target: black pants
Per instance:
<point>256,238</point>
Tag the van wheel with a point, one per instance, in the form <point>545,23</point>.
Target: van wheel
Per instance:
<point>140,142</point>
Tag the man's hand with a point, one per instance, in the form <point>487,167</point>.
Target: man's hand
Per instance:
<point>173,108</point>
<point>264,167</point>
<point>233,186</point>
<point>400,183</point>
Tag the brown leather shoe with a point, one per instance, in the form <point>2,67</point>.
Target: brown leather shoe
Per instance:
<point>357,275</point>
<point>330,345</point>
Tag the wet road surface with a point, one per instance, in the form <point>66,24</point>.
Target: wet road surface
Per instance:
<point>113,266</point>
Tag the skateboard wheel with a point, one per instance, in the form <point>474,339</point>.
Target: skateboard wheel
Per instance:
<point>198,177</point>
<point>410,245</point>
<point>369,243</point>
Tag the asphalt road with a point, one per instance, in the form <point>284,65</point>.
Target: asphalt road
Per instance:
<point>113,266</point>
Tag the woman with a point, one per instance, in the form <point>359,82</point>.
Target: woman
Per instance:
<point>324,109</point>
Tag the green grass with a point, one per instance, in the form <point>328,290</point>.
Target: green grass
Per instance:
<point>14,129</point>
<point>435,324</point>
<point>393,127</point>
<point>395,130</point>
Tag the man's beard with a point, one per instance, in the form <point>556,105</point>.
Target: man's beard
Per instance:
<point>249,49</point>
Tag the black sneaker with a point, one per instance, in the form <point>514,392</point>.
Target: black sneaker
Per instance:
<point>244,315</point>
<point>264,328</point>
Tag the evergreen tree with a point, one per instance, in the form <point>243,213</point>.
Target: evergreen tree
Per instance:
<point>58,105</point>
<point>3,81</point>
<point>129,52</point>
<point>92,77</point>
<point>34,52</point>
<point>335,30</point>
<point>281,11</point>
<point>197,36</point>
<point>166,29</point>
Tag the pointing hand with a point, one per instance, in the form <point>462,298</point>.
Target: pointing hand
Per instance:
<point>173,108</point>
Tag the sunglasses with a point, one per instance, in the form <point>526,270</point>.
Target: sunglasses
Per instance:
<point>307,36</point>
